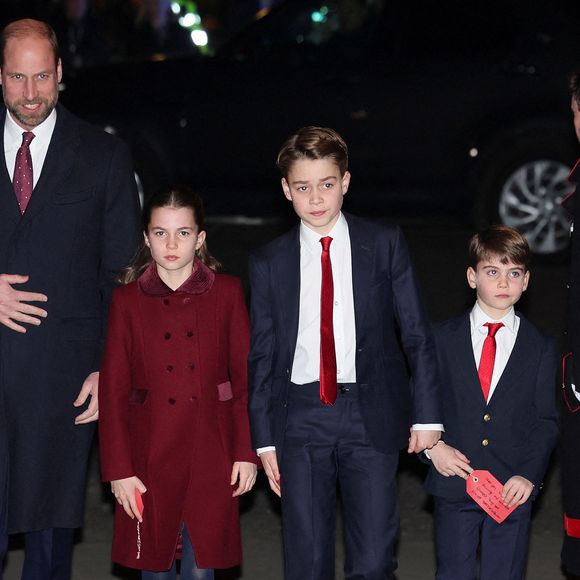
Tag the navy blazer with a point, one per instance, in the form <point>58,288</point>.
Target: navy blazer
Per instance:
<point>392,336</point>
<point>520,422</point>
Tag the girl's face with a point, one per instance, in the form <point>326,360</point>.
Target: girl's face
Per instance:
<point>173,238</point>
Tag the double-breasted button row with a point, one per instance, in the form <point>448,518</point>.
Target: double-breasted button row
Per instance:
<point>173,401</point>
<point>167,335</point>
<point>487,417</point>
<point>186,300</point>
<point>171,368</point>
<point>485,442</point>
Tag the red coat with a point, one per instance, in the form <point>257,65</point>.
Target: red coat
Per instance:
<point>173,412</point>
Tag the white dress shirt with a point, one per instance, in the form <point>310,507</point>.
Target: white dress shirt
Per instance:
<point>38,146</point>
<point>505,340</point>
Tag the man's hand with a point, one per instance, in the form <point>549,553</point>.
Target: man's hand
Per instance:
<point>421,440</point>
<point>449,461</point>
<point>517,490</point>
<point>124,492</point>
<point>90,387</point>
<point>13,304</point>
<point>270,463</point>
<point>244,473</point>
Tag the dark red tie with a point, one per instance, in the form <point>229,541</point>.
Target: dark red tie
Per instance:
<point>327,352</point>
<point>22,180</point>
<point>485,370</point>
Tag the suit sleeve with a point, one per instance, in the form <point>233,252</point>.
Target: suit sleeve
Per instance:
<point>115,386</point>
<point>263,340</point>
<point>416,336</point>
<point>239,344</point>
<point>542,438</point>
<point>120,229</point>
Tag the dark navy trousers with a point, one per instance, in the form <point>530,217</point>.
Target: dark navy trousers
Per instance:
<point>461,527</point>
<point>326,447</point>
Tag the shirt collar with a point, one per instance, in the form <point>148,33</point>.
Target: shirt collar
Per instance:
<point>200,281</point>
<point>311,239</point>
<point>478,318</point>
<point>42,132</point>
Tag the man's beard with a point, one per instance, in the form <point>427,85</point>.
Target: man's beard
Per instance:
<point>34,118</point>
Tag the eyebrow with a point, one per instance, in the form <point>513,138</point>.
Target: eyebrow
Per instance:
<point>298,182</point>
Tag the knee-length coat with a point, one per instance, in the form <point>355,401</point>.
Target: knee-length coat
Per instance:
<point>173,399</point>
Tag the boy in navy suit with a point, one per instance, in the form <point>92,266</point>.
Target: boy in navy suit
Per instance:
<point>336,322</point>
<point>499,411</point>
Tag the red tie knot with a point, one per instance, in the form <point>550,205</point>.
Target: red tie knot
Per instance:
<point>493,327</point>
<point>27,137</point>
<point>325,243</point>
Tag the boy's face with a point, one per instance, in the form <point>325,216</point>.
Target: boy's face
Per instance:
<point>499,286</point>
<point>316,189</point>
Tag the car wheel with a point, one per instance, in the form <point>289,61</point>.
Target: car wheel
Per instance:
<point>527,195</point>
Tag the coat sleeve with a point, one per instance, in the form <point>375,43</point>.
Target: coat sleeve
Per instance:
<point>261,355</point>
<point>115,387</point>
<point>542,438</point>
<point>120,229</point>
<point>239,345</point>
<point>416,336</point>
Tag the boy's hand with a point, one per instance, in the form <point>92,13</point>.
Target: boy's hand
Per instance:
<point>270,463</point>
<point>421,440</point>
<point>244,472</point>
<point>516,491</point>
<point>449,461</point>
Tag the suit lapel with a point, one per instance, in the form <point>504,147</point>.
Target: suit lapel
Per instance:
<point>57,166</point>
<point>460,347</point>
<point>361,263</point>
<point>8,204</point>
<point>288,282</point>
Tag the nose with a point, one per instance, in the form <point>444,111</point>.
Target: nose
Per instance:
<point>171,242</point>
<point>30,91</point>
<point>503,281</point>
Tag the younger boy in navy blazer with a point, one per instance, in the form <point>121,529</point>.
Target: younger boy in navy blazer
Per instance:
<point>511,432</point>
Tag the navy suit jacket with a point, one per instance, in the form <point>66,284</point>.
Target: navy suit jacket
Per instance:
<point>392,336</point>
<point>520,422</point>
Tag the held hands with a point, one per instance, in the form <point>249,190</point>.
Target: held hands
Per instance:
<point>13,304</point>
<point>244,473</point>
<point>421,440</point>
<point>516,491</point>
<point>124,491</point>
<point>270,464</point>
<point>90,387</point>
<point>449,461</point>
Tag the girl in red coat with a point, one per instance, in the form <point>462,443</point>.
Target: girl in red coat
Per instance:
<point>174,434</point>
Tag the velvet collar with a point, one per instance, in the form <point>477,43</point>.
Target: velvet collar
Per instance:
<point>200,281</point>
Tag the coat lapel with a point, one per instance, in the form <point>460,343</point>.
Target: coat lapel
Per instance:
<point>362,261</point>
<point>60,159</point>
<point>288,283</point>
<point>8,205</point>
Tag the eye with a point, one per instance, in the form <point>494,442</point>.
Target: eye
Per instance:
<point>328,185</point>
<point>302,188</point>
<point>515,274</point>
<point>184,233</point>
<point>16,77</point>
<point>492,273</point>
<point>159,233</point>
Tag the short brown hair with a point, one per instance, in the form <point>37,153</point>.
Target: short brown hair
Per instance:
<point>29,27</point>
<point>575,87</point>
<point>313,143</point>
<point>502,241</point>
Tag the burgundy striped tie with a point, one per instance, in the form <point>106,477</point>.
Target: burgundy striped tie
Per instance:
<point>327,351</point>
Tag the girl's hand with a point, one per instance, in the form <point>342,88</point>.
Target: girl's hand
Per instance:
<point>124,491</point>
<point>244,473</point>
<point>449,461</point>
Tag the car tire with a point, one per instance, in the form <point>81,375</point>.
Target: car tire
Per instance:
<point>523,185</point>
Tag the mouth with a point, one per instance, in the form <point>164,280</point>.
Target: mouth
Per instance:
<point>171,258</point>
<point>318,213</point>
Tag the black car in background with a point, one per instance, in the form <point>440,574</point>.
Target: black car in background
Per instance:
<point>448,107</point>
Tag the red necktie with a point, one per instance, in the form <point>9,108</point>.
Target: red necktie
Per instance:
<point>487,361</point>
<point>327,352</point>
<point>22,180</point>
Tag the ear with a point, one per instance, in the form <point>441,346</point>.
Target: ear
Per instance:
<point>471,277</point>
<point>59,70</point>
<point>286,189</point>
<point>345,182</point>
<point>146,239</point>
<point>526,281</point>
<point>200,239</point>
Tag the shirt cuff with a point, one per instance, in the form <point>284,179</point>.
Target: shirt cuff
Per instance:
<point>261,450</point>
<point>428,427</point>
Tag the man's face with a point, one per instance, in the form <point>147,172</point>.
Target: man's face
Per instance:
<point>30,80</point>
<point>316,190</point>
<point>576,113</point>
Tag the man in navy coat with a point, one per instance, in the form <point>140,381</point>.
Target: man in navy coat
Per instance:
<point>380,330</point>
<point>60,250</point>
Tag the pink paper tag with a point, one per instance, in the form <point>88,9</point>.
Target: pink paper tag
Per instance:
<point>485,490</point>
